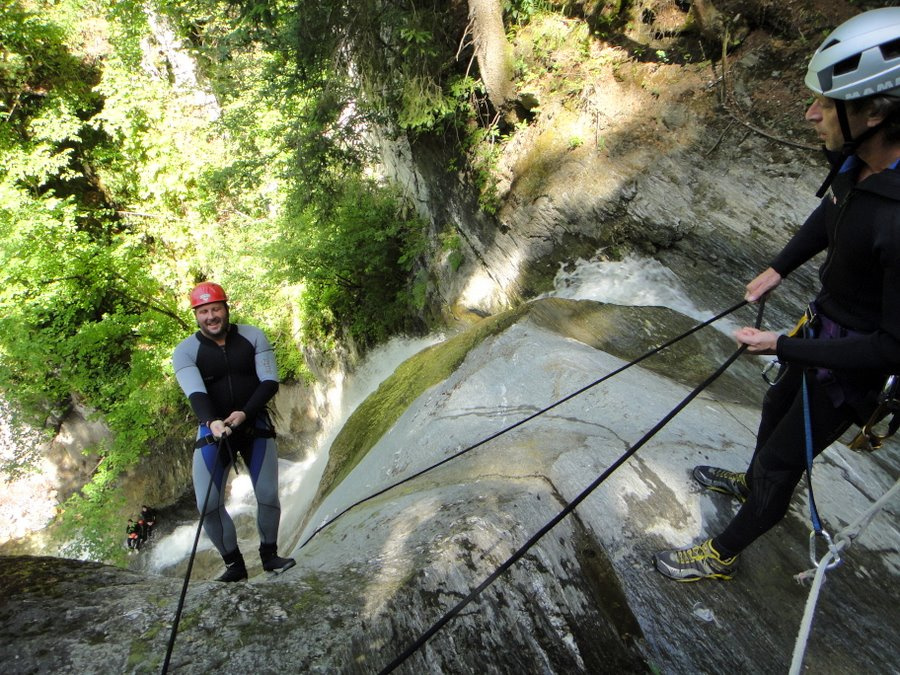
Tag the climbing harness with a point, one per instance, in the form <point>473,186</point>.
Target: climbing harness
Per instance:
<point>221,443</point>
<point>874,432</point>
<point>888,403</point>
<point>518,554</point>
<point>525,420</point>
<point>804,327</point>
<point>810,326</point>
<point>817,530</point>
<point>248,432</point>
<point>843,540</point>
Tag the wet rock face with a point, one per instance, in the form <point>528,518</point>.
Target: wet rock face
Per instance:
<point>715,220</point>
<point>70,616</point>
<point>644,158</point>
<point>581,598</point>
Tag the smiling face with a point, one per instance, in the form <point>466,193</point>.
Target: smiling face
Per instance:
<point>212,319</point>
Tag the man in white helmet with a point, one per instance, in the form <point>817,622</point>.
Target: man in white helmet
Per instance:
<point>852,340</point>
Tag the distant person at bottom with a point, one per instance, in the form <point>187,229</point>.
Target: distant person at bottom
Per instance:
<point>132,540</point>
<point>148,515</point>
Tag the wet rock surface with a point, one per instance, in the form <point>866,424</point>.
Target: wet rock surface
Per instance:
<point>584,598</point>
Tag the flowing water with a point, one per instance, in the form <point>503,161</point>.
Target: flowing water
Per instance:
<point>634,282</point>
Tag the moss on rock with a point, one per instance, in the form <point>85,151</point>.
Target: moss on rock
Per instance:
<point>375,416</point>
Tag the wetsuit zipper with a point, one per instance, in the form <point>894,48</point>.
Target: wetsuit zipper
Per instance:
<point>837,224</point>
<point>228,371</point>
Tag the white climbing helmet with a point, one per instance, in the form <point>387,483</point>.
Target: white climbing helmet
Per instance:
<point>861,57</point>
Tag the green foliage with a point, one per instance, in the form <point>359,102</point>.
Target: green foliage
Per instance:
<point>354,258</point>
<point>16,433</point>
<point>424,104</point>
<point>452,243</point>
<point>375,416</point>
<point>91,527</point>
<point>522,11</point>
<point>83,315</point>
<point>126,177</point>
<point>484,151</point>
<point>403,56</point>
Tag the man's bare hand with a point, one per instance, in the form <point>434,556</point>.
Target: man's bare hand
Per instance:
<point>762,284</point>
<point>218,429</point>
<point>757,341</point>
<point>236,419</point>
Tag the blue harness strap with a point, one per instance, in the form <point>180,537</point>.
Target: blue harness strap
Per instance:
<point>807,428</point>
<point>818,530</point>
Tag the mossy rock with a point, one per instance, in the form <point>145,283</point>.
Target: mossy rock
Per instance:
<point>625,332</point>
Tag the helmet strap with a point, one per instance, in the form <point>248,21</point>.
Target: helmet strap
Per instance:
<point>850,144</point>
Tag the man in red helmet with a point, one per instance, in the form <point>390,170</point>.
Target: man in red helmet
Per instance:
<point>835,368</point>
<point>229,375</point>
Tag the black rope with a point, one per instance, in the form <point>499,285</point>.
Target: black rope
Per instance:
<point>652,352</point>
<point>424,637</point>
<point>187,576</point>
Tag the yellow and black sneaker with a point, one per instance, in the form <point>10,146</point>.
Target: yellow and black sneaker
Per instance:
<point>698,562</point>
<point>720,480</point>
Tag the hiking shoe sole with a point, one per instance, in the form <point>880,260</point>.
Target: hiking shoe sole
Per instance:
<point>287,564</point>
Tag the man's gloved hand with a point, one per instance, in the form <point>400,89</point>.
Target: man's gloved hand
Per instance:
<point>218,429</point>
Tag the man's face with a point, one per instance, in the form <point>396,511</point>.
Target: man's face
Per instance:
<point>823,115</point>
<point>212,319</point>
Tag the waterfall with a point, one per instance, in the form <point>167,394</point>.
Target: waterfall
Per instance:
<point>633,281</point>
<point>28,498</point>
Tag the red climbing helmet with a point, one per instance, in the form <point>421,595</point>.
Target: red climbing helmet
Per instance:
<point>207,292</point>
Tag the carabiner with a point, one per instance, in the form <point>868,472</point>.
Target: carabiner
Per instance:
<point>773,380</point>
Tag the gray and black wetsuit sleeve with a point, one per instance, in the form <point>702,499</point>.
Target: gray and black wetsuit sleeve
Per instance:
<point>241,375</point>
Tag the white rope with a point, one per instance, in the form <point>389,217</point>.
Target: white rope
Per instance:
<point>842,540</point>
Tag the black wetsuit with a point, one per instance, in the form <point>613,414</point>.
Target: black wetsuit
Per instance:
<point>218,380</point>
<point>859,226</point>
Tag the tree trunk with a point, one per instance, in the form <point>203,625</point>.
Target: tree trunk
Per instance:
<point>493,51</point>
